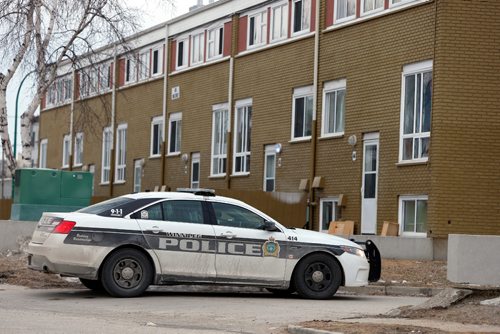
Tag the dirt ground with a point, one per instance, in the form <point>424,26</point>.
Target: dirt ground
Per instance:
<point>13,271</point>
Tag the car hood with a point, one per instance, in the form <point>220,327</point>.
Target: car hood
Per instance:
<point>320,238</point>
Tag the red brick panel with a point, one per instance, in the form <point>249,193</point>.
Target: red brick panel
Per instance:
<point>228,32</point>
<point>173,55</point>
<point>242,36</point>
<point>329,13</point>
<point>121,72</point>
<point>313,15</point>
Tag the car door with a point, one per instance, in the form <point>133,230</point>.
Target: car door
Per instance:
<point>245,251</point>
<point>178,232</point>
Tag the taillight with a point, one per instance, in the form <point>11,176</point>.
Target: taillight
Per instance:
<point>64,227</point>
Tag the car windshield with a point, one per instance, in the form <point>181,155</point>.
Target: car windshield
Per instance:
<point>106,205</point>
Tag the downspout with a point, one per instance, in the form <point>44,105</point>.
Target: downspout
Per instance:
<point>71,126</point>
<point>164,110</point>
<point>113,120</point>
<point>229,146</point>
<point>312,199</point>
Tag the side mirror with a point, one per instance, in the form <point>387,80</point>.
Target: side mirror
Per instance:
<point>270,226</point>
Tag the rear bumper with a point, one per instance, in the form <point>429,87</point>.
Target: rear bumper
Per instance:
<point>42,263</point>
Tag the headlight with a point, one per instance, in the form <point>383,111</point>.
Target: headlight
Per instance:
<point>353,250</point>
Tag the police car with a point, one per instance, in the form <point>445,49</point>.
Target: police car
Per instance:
<point>128,243</point>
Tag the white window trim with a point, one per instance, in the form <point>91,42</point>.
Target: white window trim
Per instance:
<point>202,47</point>
<point>299,93</point>
<point>139,65</point>
<point>185,56</point>
<point>271,28</point>
<point>218,108</point>
<point>133,68</point>
<point>195,158</point>
<point>66,143</point>
<point>156,121</point>
<point>403,2</point>
<point>292,19</point>
<point>263,38</point>
<point>269,150</point>
<point>322,201</point>
<point>139,163</point>
<point>344,19</point>
<point>330,87</point>
<point>110,82</point>
<point>409,69</point>
<point>104,168</point>
<point>174,117</point>
<point>160,49</point>
<point>78,136</point>
<point>400,214</point>
<point>117,153</point>
<point>43,153</point>
<point>240,104</point>
<point>370,12</point>
<point>216,47</point>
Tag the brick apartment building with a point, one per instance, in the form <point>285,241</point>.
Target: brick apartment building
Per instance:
<point>363,110</point>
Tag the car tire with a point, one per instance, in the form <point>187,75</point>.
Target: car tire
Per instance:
<point>94,285</point>
<point>318,277</point>
<point>282,292</point>
<point>126,273</point>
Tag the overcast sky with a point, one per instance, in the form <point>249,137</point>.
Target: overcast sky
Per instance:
<point>154,12</point>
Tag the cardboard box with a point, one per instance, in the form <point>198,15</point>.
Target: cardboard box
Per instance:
<point>344,228</point>
<point>390,229</point>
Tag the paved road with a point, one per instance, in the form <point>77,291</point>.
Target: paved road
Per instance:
<point>165,311</point>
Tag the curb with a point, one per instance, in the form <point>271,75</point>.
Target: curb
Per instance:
<point>292,329</point>
<point>391,290</point>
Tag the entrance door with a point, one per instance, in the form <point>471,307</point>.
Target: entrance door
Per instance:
<point>195,170</point>
<point>370,180</point>
<point>138,175</point>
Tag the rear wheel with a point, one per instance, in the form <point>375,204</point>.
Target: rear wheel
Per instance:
<point>94,285</point>
<point>126,273</point>
<point>318,277</point>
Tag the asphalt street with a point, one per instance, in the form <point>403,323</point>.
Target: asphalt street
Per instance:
<point>167,310</point>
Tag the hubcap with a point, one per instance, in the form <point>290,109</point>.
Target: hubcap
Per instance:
<point>318,276</point>
<point>127,273</point>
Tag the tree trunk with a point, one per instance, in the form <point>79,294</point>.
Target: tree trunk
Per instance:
<point>4,127</point>
<point>26,126</point>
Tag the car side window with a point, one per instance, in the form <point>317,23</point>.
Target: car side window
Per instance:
<point>232,215</point>
<point>153,212</point>
<point>183,211</point>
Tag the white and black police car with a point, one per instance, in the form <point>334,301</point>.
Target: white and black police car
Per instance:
<point>125,244</point>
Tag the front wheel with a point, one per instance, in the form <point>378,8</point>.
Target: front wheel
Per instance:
<point>318,277</point>
<point>127,273</point>
<point>94,285</point>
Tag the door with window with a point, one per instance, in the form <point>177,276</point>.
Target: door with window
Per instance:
<point>270,168</point>
<point>195,170</point>
<point>138,175</point>
<point>370,184</point>
<point>184,243</point>
<point>245,251</point>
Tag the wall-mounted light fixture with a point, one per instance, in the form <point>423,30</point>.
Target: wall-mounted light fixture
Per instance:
<point>353,140</point>
<point>185,159</point>
<point>278,148</point>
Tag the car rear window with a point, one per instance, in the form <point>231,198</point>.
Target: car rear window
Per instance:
<point>106,205</point>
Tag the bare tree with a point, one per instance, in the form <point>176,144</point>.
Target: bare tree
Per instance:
<point>39,35</point>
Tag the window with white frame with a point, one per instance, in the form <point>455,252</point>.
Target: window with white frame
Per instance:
<point>157,61</point>
<point>66,151</point>
<point>197,48</point>
<point>175,132</point>
<point>84,83</point>
<point>220,124</point>
<point>371,6</point>
<point>121,153</point>
<point>215,43</point>
<point>413,215</point>
<point>301,16</point>
<point>328,208</point>
<point>182,53</point>
<point>257,29</point>
<point>68,89</point>
<point>93,80</point>
<point>107,139</point>
<point>399,2</point>
<point>143,64</point>
<point>270,168</point>
<point>130,69</point>
<point>279,21</point>
<point>302,113</point>
<point>52,95</point>
<point>416,105</point>
<point>242,137</point>
<point>138,165</point>
<point>333,108</point>
<point>195,170</point>
<point>345,10</point>
<point>156,136</point>
<point>60,90</point>
<point>78,152</point>
<point>105,77</point>
<point>43,153</point>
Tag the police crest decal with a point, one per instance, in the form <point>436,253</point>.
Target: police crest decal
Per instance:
<point>271,248</point>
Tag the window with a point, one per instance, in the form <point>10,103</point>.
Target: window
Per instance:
<point>302,113</point>
<point>121,152</point>
<point>183,211</point>
<point>416,104</point>
<point>66,151</point>
<point>182,54</point>
<point>157,65</point>
<point>60,90</point>
<point>345,9</point>
<point>242,138</point>
<point>78,158</point>
<point>175,130</point>
<point>143,65</point>
<point>329,208</point>
<point>138,175</point>
<point>156,136</point>
<point>104,77</point>
<point>334,108</point>
<point>270,168</point>
<point>130,69</point>
<point>413,215</point>
<point>301,15</point>
<point>369,6</point>
<point>52,95</point>
<point>235,216</point>
<point>195,170</point>
<point>84,84</point>
<point>68,89</point>
<point>197,48</point>
<point>279,22</point>
<point>107,139</point>
<point>220,125</point>
<point>43,153</point>
<point>93,81</point>
<point>399,2</point>
<point>257,29</point>
<point>215,43</point>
